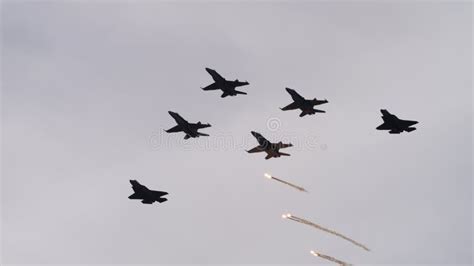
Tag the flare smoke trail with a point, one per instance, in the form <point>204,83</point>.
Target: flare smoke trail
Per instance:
<point>303,221</point>
<point>326,257</point>
<point>285,182</point>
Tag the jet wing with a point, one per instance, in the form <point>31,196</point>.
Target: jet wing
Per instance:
<point>158,193</point>
<point>178,118</point>
<point>215,76</point>
<point>384,126</point>
<point>174,129</point>
<point>256,149</point>
<point>137,186</point>
<point>294,95</point>
<point>291,106</point>
<point>385,112</point>
<point>135,196</point>
<point>407,123</point>
<point>261,140</point>
<point>211,87</point>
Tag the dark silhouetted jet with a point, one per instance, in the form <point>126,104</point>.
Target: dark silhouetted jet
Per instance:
<point>190,129</point>
<point>227,86</point>
<point>272,149</point>
<point>147,196</point>
<point>303,104</point>
<point>394,124</point>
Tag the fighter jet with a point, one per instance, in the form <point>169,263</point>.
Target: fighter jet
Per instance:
<point>395,124</point>
<point>272,149</point>
<point>191,129</point>
<point>146,195</point>
<point>303,104</point>
<point>227,86</point>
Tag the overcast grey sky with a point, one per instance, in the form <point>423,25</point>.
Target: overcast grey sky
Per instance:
<point>86,88</point>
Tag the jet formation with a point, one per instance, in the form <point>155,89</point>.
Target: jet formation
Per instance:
<point>190,129</point>
<point>305,105</point>
<point>146,195</point>
<point>394,124</point>
<point>272,149</point>
<point>227,86</point>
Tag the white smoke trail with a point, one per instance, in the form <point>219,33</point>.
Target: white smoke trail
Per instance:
<point>303,221</point>
<point>329,258</point>
<point>285,182</point>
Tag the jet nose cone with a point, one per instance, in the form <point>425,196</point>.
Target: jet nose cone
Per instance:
<point>254,133</point>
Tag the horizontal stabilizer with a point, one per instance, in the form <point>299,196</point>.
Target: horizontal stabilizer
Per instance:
<point>161,200</point>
